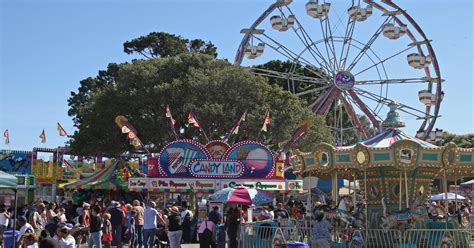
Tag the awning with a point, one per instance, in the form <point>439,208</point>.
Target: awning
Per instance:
<point>8,181</point>
<point>113,177</point>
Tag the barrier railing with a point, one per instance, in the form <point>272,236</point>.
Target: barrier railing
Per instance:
<point>272,234</point>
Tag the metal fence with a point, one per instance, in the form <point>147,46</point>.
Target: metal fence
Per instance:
<point>268,235</point>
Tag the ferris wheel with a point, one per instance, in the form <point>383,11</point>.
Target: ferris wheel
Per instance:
<point>353,57</point>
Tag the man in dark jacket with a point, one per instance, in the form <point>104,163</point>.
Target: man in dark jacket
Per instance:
<point>117,217</point>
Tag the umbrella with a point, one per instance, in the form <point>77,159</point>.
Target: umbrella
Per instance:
<point>451,196</point>
<point>468,182</point>
<point>242,195</point>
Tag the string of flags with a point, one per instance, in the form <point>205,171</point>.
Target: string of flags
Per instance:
<point>128,129</point>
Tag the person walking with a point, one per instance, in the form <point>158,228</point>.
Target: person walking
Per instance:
<point>187,217</point>
<point>117,219</point>
<point>215,216</point>
<point>106,230</point>
<point>149,226</point>
<point>139,222</point>
<point>39,219</point>
<point>321,232</point>
<point>95,228</point>
<point>4,217</point>
<point>206,234</point>
<point>175,231</point>
<point>232,225</point>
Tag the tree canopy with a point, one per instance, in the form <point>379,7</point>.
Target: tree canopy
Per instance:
<point>464,141</point>
<point>217,92</point>
<point>155,45</point>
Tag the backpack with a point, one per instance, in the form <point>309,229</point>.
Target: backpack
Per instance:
<point>207,234</point>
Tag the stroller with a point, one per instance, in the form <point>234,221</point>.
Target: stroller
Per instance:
<point>161,240</point>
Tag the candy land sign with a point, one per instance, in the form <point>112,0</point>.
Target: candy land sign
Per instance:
<point>216,160</point>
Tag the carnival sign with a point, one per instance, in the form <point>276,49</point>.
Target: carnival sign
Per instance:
<point>207,184</point>
<point>190,159</point>
<point>216,168</point>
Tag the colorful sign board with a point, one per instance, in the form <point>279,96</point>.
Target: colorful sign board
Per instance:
<point>216,160</point>
<point>15,162</point>
<point>209,184</point>
<point>158,183</point>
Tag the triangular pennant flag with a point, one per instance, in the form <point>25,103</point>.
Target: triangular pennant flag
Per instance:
<point>193,120</point>
<point>237,127</point>
<point>266,122</point>
<point>168,114</point>
<point>61,130</point>
<point>43,137</point>
<point>6,134</point>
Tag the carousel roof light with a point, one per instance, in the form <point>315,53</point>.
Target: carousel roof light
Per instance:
<point>359,14</point>
<point>418,61</point>
<point>282,24</point>
<point>316,10</point>
<point>252,52</point>
<point>393,32</point>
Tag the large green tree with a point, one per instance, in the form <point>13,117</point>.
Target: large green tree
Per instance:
<point>464,140</point>
<point>217,92</point>
<point>161,44</point>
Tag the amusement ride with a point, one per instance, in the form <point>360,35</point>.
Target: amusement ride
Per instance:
<point>349,58</point>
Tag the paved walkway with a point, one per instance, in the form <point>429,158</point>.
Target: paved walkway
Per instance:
<point>190,246</point>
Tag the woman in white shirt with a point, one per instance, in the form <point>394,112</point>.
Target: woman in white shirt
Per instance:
<point>4,216</point>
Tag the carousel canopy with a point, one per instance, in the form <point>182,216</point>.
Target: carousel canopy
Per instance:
<point>113,177</point>
<point>390,136</point>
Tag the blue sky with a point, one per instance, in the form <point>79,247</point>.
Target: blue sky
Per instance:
<point>47,47</point>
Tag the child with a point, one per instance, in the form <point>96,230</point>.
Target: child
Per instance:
<point>107,231</point>
<point>221,238</point>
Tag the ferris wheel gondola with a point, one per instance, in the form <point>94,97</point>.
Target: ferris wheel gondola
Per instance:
<point>344,75</point>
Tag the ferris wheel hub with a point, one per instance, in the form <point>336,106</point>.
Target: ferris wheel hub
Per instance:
<point>344,80</point>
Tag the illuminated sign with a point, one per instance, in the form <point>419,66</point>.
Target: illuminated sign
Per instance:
<point>217,169</point>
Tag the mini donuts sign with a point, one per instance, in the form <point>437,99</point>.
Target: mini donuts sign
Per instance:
<point>190,159</point>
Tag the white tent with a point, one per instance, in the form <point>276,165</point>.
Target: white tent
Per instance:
<point>451,196</point>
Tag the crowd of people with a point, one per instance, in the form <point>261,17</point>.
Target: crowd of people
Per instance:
<point>137,225</point>
<point>99,224</point>
<point>48,224</point>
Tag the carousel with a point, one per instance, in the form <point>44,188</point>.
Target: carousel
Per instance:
<point>395,172</point>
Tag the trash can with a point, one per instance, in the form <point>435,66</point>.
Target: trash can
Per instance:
<point>8,238</point>
<point>297,245</point>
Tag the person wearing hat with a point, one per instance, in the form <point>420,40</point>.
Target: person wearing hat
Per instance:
<point>139,222</point>
<point>175,231</point>
<point>280,212</point>
<point>66,240</point>
<point>117,219</point>
<point>25,227</point>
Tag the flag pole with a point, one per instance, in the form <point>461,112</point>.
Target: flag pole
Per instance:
<point>174,131</point>
<point>264,124</point>
<point>200,127</point>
